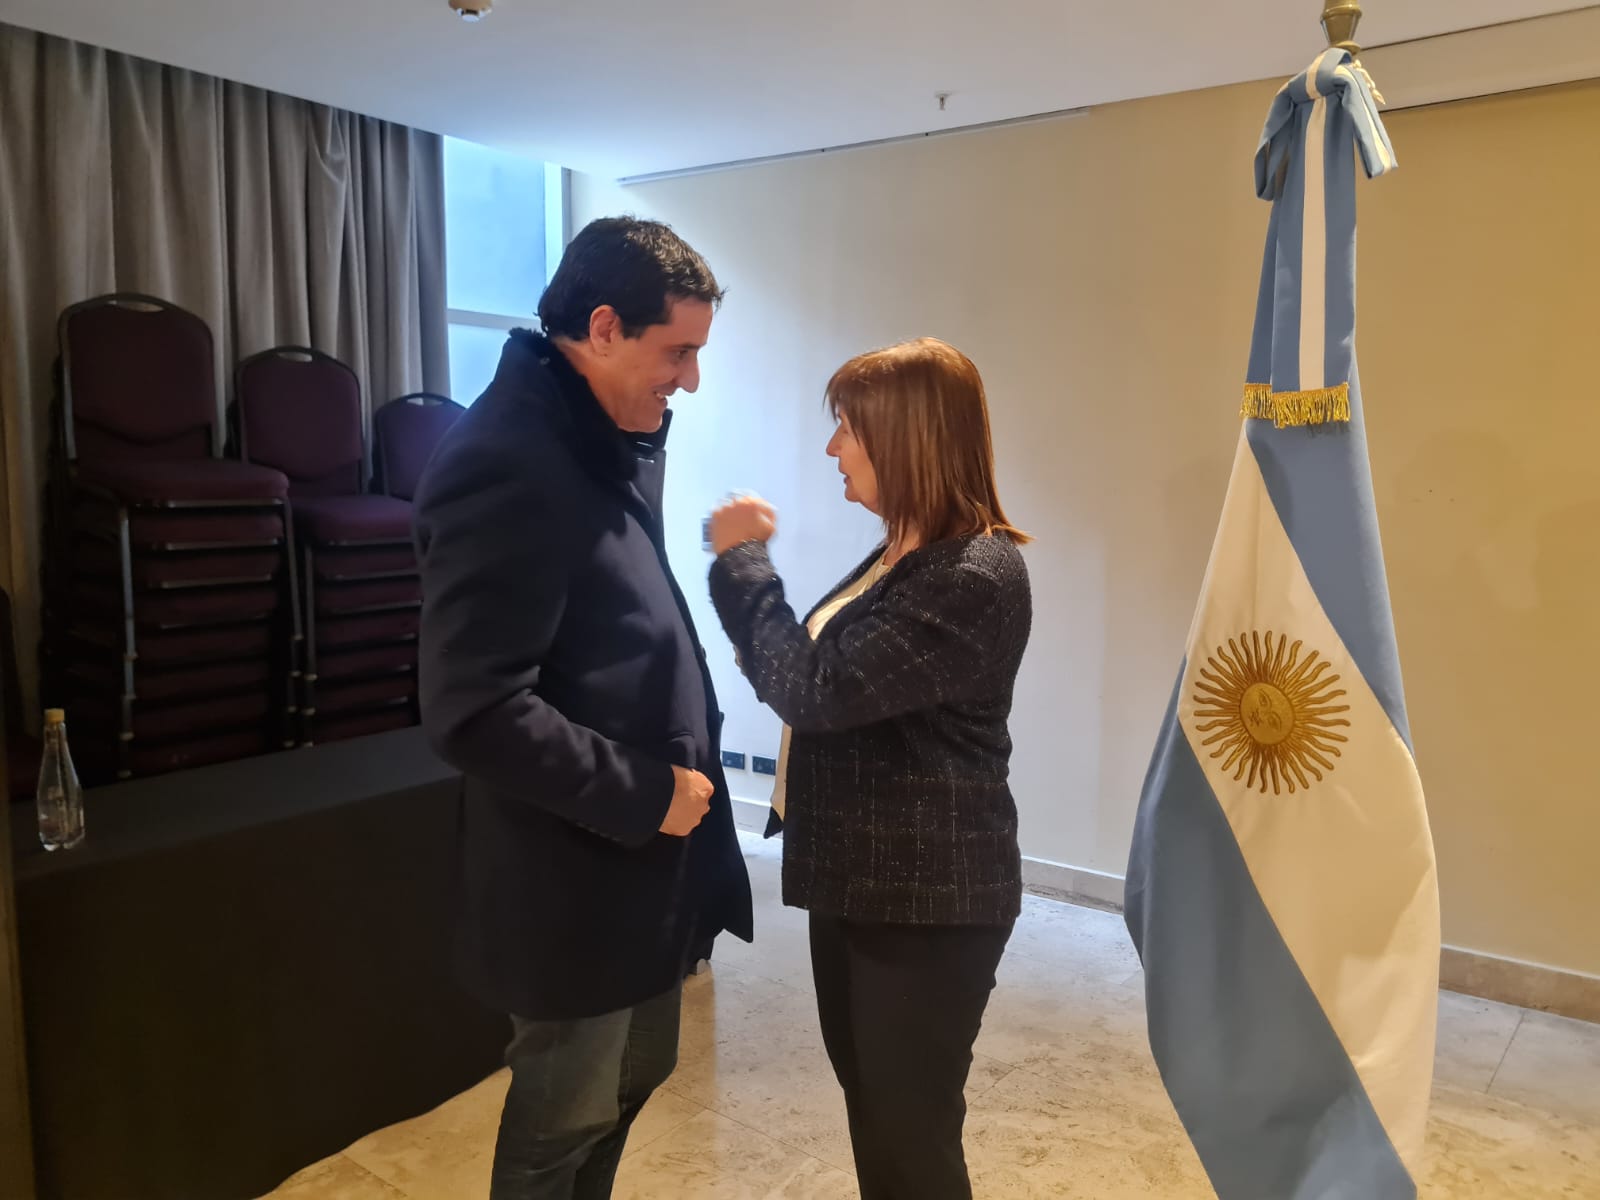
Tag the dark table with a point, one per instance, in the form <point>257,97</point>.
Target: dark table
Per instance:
<point>243,970</point>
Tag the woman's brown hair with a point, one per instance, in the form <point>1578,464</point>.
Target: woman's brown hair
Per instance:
<point>920,413</point>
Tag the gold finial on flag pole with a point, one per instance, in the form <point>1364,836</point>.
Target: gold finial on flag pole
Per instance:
<point>1339,21</point>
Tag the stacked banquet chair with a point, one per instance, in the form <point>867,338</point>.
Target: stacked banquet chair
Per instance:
<point>170,611</point>
<point>406,431</point>
<point>299,411</point>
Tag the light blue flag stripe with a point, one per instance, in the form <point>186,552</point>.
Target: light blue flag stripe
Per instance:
<point>1283,315</point>
<point>1321,484</point>
<point>1255,1071</point>
<point>1320,479</point>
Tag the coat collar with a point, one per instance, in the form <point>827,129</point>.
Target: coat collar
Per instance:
<point>593,434</point>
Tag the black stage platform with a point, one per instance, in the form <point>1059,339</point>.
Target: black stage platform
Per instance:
<point>244,969</point>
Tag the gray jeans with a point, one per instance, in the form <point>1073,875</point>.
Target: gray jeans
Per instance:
<point>576,1087</point>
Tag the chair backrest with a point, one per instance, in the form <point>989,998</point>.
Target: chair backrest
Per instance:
<point>137,380</point>
<point>299,410</point>
<point>408,430</point>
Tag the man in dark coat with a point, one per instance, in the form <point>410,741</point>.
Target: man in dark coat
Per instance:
<point>561,674</point>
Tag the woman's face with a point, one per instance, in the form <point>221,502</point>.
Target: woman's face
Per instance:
<point>860,481</point>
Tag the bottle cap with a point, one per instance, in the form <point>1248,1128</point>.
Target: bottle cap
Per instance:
<point>55,716</point>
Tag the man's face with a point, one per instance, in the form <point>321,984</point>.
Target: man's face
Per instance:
<point>635,377</point>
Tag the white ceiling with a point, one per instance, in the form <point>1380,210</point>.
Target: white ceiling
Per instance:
<point>629,87</point>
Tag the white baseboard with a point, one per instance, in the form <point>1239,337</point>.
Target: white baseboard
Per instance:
<point>1527,985</point>
<point>1078,885</point>
<point>750,815</point>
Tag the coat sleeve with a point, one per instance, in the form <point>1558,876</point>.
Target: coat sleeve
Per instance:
<point>923,643</point>
<point>496,554</point>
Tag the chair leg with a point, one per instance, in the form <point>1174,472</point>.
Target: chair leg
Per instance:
<point>293,732</point>
<point>308,694</point>
<point>125,708</point>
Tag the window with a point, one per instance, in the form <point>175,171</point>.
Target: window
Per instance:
<point>505,228</point>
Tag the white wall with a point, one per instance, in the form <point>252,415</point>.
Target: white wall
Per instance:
<point>1057,266</point>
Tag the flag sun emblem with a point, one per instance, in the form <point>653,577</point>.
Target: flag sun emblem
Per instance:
<point>1270,713</point>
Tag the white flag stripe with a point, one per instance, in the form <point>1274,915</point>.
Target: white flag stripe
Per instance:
<point>1314,255</point>
<point>1371,135</point>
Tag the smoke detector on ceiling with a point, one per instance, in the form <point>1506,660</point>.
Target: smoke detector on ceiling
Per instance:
<point>472,10</point>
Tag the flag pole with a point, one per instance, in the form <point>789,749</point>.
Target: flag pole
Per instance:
<point>1339,21</point>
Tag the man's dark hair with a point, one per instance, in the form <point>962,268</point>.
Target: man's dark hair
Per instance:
<point>637,267</point>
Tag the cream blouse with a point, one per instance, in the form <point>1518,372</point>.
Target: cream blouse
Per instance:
<point>818,622</point>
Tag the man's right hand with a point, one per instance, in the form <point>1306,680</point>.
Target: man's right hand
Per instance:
<point>691,800</point>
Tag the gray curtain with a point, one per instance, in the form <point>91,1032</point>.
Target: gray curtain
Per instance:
<point>276,220</point>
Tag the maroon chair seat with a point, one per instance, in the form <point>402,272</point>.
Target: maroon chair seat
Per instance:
<point>181,529</point>
<point>156,684</point>
<point>336,599</point>
<point>184,606</point>
<point>171,721</point>
<point>357,697</point>
<point>201,531</point>
<point>199,752</point>
<point>194,481</point>
<point>107,760</point>
<point>158,759</point>
<point>98,559</point>
<point>366,562</point>
<point>342,728</point>
<point>346,520</point>
<point>396,659</point>
<point>177,647</point>
<point>348,632</point>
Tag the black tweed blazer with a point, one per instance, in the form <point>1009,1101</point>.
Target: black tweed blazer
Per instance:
<point>898,804</point>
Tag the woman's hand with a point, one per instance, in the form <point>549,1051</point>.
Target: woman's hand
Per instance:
<point>742,519</point>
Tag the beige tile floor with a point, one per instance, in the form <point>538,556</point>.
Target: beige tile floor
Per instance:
<point>1065,1102</point>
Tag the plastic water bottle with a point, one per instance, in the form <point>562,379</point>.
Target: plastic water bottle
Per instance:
<point>60,795</point>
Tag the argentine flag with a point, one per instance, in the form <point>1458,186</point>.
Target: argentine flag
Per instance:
<point>1281,888</point>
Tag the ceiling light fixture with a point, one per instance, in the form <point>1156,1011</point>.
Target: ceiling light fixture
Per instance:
<point>472,10</point>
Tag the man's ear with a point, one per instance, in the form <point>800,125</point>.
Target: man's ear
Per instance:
<point>605,329</point>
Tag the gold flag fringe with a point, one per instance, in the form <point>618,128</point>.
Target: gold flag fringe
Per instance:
<point>1257,402</point>
<point>1321,406</point>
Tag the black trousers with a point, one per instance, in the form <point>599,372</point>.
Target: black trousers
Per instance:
<point>901,1006</point>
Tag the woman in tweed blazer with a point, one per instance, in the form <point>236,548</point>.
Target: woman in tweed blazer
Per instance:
<point>900,833</point>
